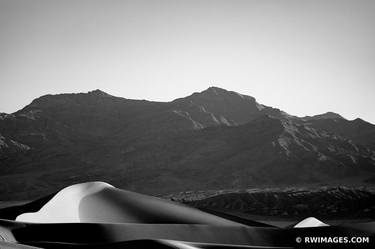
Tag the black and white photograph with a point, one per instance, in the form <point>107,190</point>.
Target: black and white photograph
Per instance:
<point>187,124</point>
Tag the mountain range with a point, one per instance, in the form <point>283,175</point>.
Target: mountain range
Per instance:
<point>214,139</point>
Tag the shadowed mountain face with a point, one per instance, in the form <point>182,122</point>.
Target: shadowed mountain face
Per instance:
<point>215,139</point>
<point>292,202</point>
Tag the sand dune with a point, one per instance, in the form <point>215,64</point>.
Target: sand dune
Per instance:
<point>310,222</point>
<point>64,206</point>
<point>9,245</point>
<point>99,202</point>
<point>97,215</point>
<point>96,233</point>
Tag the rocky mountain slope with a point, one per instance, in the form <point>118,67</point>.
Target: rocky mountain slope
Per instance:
<point>214,139</point>
<point>325,202</point>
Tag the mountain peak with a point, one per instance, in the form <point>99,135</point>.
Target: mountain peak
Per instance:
<point>333,113</point>
<point>99,93</point>
<point>327,115</point>
<point>361,121</point>
<point>215,90</point>
<point>211,88</point>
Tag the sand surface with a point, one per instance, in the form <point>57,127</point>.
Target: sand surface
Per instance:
<point>98,202</point>
<point>310,222</point>
<point>98,215</point>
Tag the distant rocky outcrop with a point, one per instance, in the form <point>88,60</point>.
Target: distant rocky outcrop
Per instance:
<point>293,202</point>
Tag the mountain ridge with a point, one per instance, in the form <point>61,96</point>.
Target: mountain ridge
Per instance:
<point>212,139</point>
<point>211,89</point>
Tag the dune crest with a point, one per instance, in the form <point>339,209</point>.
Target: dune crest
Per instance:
<point>99,202</point>
<point>310,222</point>
<point>64,206</point>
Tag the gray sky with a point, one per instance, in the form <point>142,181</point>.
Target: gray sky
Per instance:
<point>304,57</point>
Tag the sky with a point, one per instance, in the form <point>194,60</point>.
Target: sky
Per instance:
<point>304,57</point>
